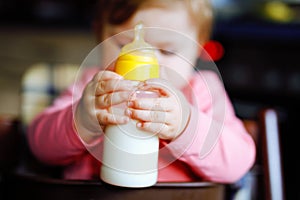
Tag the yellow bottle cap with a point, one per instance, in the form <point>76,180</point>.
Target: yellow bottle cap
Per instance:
<point>137,60</point>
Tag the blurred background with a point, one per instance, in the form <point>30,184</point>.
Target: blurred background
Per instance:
<point>260,66</point>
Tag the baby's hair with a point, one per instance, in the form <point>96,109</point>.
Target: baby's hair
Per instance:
<point>116,12</point>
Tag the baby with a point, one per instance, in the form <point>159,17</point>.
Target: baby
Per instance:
<point>200,136</point>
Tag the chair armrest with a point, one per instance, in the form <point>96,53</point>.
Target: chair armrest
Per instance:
<point>28,186</point>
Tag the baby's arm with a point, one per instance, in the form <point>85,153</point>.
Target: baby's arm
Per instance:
<point>215,145</point>
<point>52,137</point>
<point>55,138</point>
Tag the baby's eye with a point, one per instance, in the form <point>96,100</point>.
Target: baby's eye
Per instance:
<point>166,52</point>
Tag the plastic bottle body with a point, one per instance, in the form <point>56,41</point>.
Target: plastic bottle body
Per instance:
<point>130,155</point>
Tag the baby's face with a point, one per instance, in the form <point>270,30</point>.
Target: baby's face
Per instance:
<point>174,36</point>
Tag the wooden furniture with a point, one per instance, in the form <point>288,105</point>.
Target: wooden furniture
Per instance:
<point>272,166</point>
<point>267,172</point>
<point>37,187</point>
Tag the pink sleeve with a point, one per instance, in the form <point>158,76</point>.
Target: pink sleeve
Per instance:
<point>52,137</point>
<point>215,143</point>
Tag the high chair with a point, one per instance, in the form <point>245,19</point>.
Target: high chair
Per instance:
<point>266,175</point>
<point>31,179</point>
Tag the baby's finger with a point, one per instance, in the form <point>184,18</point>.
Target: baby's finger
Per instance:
<point>150,116</point>
<point>106,75</point>
<point>110,99</point>
<point>108,118</point>
<point>155,104</point>
<point>108,86</point>
<point>161,85</point>
<point>162,130</point>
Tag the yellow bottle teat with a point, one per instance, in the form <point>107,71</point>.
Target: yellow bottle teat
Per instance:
<point>137,60</point>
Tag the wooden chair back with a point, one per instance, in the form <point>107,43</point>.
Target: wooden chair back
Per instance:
<point>268,170</point>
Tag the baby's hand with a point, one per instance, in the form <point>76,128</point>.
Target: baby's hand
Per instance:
<point>102,92</point>
<point>166,115</point>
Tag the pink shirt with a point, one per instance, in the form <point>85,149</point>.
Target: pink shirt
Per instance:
<point>214,146</point>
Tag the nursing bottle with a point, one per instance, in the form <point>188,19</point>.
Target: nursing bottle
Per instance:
<point>130,155</point>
